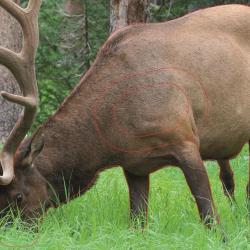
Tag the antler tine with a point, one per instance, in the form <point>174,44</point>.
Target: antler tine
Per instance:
<point>22,65</point>
<point>14,9</point>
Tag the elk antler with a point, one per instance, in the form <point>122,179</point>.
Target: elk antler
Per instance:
<point>22,65</point>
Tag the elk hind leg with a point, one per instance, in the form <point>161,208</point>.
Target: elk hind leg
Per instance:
<point>191,164</point>
<point>227,178</point>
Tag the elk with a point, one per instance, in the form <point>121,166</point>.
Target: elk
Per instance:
<point>166,94</point>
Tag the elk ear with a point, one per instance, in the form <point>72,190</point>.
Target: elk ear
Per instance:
<point>36,148</point>
<point>32,151</point>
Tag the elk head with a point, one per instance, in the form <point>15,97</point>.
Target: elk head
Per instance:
<point>21,184</point>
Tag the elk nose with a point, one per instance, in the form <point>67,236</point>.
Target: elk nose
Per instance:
<point>19,198</point>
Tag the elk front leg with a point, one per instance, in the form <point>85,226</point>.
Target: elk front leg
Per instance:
<point>227,179</point>
<point>138,194</point>
<point>196,176</point>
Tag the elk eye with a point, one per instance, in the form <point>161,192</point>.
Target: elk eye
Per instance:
<point>19,197</point>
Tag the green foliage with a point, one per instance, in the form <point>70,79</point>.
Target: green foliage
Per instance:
<point>59,69</point>
<point>98,16</point>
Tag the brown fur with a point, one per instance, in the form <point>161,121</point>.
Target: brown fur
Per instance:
<point>172,93</point>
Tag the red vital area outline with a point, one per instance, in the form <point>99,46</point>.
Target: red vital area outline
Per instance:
<point>106,91</point>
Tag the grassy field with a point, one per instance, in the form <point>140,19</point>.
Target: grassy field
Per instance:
<point>100,219</point>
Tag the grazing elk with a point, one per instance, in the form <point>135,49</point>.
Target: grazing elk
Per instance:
<point>173,93</point>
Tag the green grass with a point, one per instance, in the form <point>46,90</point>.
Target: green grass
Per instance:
<point>100,220</point>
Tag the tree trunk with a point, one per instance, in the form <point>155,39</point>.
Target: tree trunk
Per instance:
<point>10,37</point>
<point>74,40</point>
<point>125,12</point>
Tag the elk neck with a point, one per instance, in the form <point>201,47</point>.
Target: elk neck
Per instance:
<point>73,152</point>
